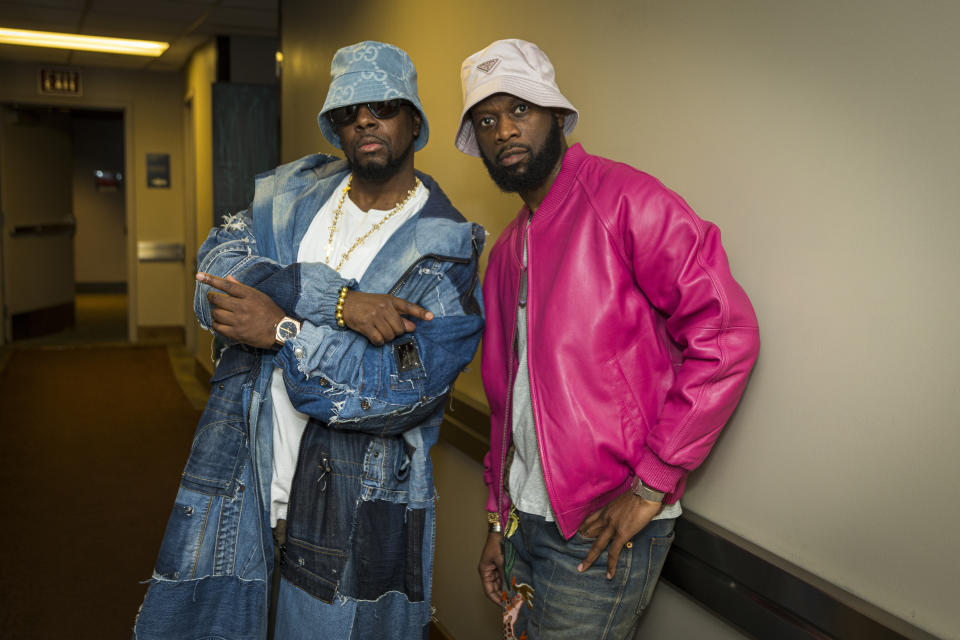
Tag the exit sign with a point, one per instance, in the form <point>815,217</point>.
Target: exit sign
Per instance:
<point>61,82</point>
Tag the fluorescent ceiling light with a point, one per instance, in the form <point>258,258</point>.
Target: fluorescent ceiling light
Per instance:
<point>83,43</point>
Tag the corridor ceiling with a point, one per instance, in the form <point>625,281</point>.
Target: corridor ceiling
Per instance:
<point>185,24</point>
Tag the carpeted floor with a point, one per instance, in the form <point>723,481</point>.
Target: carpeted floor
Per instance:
<point>92,442</point>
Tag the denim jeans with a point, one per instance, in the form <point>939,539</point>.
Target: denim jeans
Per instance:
<point>547,598</point>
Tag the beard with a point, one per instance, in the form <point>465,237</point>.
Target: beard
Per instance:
<point>375,172</point>
<point>532,174</point>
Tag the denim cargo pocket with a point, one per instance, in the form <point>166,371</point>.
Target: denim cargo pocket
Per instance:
<point>659,546</point>
<point>214,463</point>
<point>220,441</point>
<point>387,549</point>
<point>186,527</point>
<point>323,500</point>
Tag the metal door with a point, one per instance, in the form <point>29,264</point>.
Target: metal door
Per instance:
<point>36,207</point>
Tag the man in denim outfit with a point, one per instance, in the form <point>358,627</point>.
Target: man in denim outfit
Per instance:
<point>616,346</point>
<point>349,299</point>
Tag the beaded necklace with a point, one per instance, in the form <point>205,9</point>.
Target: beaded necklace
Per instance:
<point>376,227</point>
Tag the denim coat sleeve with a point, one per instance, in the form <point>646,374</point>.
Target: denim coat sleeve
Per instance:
<point>303,290</point>
<point>340,378</point>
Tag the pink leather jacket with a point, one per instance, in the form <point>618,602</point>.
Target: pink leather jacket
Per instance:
<point>640,340</point>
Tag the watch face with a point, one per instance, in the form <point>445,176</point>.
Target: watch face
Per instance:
<point>287,329</point>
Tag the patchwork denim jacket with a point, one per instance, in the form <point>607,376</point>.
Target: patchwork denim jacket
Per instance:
<point>361,512</point>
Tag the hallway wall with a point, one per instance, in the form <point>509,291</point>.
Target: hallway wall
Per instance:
<point>200,73</point>
<point>152,103</point>
<point>822,138</point>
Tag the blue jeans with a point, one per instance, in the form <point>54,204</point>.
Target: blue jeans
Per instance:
<point>546,597</point>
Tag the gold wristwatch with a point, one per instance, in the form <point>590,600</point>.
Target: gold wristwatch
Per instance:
<point>287,328</point>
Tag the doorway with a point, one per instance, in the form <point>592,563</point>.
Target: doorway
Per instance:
<point>63,251</point>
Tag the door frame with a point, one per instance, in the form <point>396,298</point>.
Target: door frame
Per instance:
<point>129,200</point>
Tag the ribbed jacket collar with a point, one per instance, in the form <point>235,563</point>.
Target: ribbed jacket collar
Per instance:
<point>569,167</point>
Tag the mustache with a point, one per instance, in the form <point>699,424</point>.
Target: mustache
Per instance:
<point>512,147</point>
<point>367,139</point>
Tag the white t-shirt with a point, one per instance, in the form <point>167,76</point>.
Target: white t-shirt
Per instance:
<point>288,423</point>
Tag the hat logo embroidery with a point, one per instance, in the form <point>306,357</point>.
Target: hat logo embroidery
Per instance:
<point>489,65</point>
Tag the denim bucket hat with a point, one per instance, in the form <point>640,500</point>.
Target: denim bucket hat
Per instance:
<point>370,72</point>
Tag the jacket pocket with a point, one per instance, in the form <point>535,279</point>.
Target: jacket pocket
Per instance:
<point>629,384</point>
<point>186,528</point>
<point>323,503</point>
<point>387,549</point>
<point>220,441</point>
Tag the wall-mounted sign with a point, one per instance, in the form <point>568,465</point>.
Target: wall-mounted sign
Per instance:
<point>158,170</point>
<point>60,82</point>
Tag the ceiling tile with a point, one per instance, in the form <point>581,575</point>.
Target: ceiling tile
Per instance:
<point>37,54</point>
<point>229,19</point>
<point>95,59</point>
<point>38,18</point>
<point>76,5</point>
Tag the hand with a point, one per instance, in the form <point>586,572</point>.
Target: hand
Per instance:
<point>491,567</point>
<point>378,316</point>
<point>242,313</point>
<point>614,525</point>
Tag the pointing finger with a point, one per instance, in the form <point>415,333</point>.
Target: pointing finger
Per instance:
<point>410,309</point>
<point>229,285</point>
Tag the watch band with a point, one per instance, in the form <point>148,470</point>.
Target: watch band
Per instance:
<point>645,492</point>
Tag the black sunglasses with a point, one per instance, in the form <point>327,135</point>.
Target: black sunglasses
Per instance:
<point>342,116</point>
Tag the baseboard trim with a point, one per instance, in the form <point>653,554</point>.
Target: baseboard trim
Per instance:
<point>438,631</point>
<point>100,287</point>
<point>161,335</point>
<point>41,322</point>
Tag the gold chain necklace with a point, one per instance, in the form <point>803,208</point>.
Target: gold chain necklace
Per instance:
<point>359,241</point>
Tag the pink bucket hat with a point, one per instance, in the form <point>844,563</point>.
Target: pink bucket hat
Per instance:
<point>511,66</point>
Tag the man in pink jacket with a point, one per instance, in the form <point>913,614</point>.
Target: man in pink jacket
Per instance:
<point>617,345</point>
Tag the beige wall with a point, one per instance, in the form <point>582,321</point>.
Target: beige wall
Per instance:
<point>152,124</point>
<point>201,72</point>
<point>822,138</point>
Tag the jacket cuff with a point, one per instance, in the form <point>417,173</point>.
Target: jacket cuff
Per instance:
<point>318,295</point>
<point>656,473</point>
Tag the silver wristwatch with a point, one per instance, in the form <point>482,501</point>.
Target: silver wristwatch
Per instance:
<point>287,328</point>
<point>645,492</point>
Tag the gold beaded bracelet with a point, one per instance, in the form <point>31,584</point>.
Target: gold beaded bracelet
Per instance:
<point>343,296</point>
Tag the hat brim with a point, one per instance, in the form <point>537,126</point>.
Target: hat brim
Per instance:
<point>343,93</point>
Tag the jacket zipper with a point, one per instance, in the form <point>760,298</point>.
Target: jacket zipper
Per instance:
<point>430,256</point>
<point>508,407</point>
<point>254,452</point>
<point>525,294</point>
